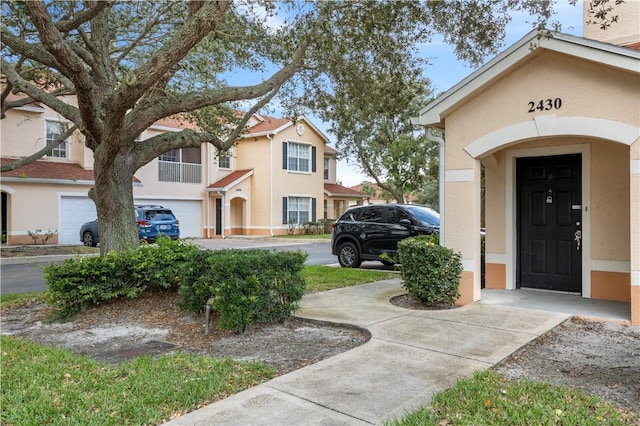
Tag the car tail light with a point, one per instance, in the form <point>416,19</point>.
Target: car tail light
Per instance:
<point>144,223</point>
<point>333,225</point>
<point>177,223</point>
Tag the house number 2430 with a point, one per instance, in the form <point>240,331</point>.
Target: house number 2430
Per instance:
<point>545,105</point>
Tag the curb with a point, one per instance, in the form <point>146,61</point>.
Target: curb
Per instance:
<point>40,259</point>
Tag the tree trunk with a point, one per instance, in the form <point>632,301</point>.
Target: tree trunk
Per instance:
<point>113,196</point>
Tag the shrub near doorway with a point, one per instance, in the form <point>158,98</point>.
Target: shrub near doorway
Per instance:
<point>431,273</point>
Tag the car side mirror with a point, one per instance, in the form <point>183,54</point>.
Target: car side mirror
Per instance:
<point>405,222</point>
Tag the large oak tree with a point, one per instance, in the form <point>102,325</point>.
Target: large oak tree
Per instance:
<point>132,63</point>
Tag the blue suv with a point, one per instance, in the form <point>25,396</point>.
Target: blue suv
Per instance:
<point>152,221</point>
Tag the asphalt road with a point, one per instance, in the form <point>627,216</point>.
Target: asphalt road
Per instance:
<point>29,277</point>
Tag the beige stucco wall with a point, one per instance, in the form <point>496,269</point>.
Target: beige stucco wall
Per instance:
<point>270,182</point>
<point>24,131</point>
<point>582,86</point>
<point>33,207</point>
<point>255,154</point>
<point>610,201</point>
<point>625,31</point>
<point>495,125</point>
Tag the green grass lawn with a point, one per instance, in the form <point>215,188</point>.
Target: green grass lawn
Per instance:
<point>489,398</point>
<point>46,385</point>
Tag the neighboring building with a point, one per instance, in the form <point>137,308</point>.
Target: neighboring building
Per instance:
<point>277,172</point>
<point>337,198</point>
<point>554,121</point>
<point>375,192</point>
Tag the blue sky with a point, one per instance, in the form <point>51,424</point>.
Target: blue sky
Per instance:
<point>446,70</point>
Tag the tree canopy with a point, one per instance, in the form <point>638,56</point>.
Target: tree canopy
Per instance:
<point>128,64</point>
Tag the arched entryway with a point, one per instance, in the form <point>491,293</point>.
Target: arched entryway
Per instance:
<point>237,217</point>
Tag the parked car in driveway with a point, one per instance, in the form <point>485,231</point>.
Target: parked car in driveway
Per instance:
<point>367,232</point>
<point>152,221</point>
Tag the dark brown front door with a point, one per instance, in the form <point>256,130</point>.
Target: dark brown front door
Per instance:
<point>550,223</point>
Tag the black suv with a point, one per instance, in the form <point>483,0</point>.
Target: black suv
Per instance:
<point>366,232</point>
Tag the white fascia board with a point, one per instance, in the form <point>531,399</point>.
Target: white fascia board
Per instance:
<point>614,56</point>
<point>430,114</point>
<point>320,132</point>
<point>268,132</point>
<point>591,50</point>
<point>165,128</point>
<point>30,108</point>
<point>48,181</point>
<point>232,184</point>
<point>331,194</point>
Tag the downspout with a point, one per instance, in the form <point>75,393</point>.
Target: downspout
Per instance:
<point>437,135</point>
<point>209,162</point>
<point>271,166</point>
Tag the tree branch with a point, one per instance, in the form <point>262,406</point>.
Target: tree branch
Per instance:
<point>152,23</point>
<point>69,63</point>
<point>7,167</point>
<point>197,27</point>
<point>83,16</point>
<point>36,52</point>
<point>67,111</point>
<point>146,115</point>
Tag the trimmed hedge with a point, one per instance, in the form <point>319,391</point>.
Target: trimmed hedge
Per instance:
<point>242,286</point>
<point>83,281</point>
<point>245,286</point>
<point>431,273</point>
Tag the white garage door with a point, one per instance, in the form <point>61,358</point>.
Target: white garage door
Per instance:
<point>189,213</point>
<point>74,211</point>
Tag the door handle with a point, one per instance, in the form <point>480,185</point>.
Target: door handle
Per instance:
<point>578,239</point>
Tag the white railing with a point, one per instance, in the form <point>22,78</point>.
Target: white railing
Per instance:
<point>171,171</point>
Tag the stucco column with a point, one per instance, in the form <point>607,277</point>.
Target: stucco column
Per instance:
<point>635,232</point>
<point>462,224</point>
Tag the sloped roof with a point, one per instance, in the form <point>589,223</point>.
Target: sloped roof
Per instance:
<point>335,190</point>
<point>49,170</point>
<point>330,150</point>
<point>273,126</point>
<point>175,122</point>
<point>230,180</point>
<point>533,43</point>
<point>270,124</point>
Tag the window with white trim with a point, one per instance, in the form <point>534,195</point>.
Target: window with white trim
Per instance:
<point>299,157</point>
<point>326,168</point>
<point>224,159</point>
<point>53,131</point>
<point>299,209</point>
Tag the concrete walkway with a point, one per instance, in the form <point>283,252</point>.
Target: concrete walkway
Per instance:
<point>412,355</point>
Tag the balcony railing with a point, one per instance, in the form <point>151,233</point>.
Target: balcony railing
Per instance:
<point>171,171</point>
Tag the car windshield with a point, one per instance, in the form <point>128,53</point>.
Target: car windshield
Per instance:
<point>425,215</point>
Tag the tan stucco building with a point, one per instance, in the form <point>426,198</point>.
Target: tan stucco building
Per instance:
<point>553,123</point>
<point>278,172</point>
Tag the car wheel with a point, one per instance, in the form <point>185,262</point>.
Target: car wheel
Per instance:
<point>88,240</point>
<point>348,256</point>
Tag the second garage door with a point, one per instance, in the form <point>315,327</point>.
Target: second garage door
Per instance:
<point>188,212</point>
<point>74,211</point>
